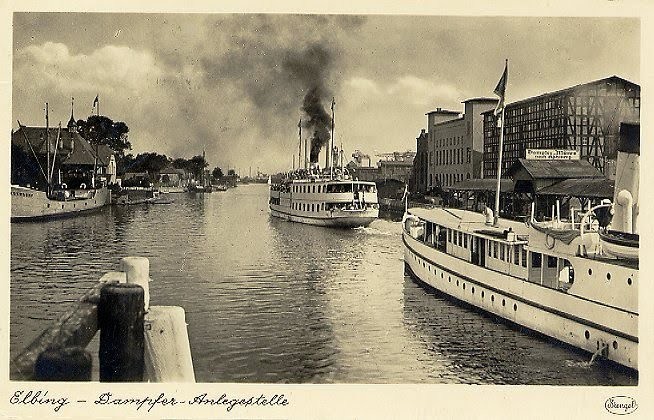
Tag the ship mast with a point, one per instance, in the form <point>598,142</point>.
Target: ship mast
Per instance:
<point>299,152</point>
<point>331,147</point>
<point>47,149</point>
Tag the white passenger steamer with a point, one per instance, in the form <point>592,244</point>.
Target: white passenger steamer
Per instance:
<point>579,287</point>
<point>318,198</point>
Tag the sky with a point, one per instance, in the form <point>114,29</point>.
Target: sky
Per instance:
<point>234,84</point>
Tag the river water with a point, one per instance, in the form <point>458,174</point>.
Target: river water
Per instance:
<point>274,301</point>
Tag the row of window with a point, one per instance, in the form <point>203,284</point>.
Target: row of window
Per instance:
<point>449,141</point>
<point>447,179</point>
<point>333,188</point>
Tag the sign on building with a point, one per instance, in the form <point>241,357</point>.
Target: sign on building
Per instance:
<point>552,154</point>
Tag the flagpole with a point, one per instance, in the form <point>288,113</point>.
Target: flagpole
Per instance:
<point>499,170</point>
<point>500,90</point>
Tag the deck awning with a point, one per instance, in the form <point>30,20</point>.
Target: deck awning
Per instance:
<point>591,188</point>
<point>487,184</point>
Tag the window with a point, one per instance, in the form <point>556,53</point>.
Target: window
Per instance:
<point>495,249</point>
<point>465,240</point>
<point>489,248</point>
<point>536,259</point>
<point>551,261</point>
<point>516,255</point>
<point>501,252</point>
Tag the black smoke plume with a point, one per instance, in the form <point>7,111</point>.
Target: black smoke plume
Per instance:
<point>318,120</point>
<point>311,68</point>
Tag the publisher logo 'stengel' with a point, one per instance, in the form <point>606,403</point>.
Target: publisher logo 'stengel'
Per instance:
<point>620,405</point>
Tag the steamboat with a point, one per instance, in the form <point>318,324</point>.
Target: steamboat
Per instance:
<point>327,197</point>
<point>324,199</point>
<point>572,281</point>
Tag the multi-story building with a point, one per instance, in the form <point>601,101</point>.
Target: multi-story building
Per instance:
<point>585,118</point>
<point>420,167</point>
<point>455,143</point>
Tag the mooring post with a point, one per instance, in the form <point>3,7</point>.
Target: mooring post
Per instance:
<point>167,348</point>
<point>137,271</point>
<point>120,318</point>
<point>64,364</point>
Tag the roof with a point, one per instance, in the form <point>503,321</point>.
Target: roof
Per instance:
<point>481,99</point>
<point>592,188</point>
<point>37,135</point>
<point>444,112</point>
<point>170,169</point>
<point>487,184</point>
<point>554,169</point>
<point>82,153</point>
<point>568,89</point>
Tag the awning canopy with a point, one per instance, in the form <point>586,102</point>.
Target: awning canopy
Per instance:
<point>487,184</point>
<point>591,188</point>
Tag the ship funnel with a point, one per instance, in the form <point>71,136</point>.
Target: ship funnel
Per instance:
<point>625,196</point>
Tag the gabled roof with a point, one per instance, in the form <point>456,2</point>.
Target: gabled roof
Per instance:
<point>37,136</point>
<point>555,169</point>
<point>170,169</point>
<point>82,152</point>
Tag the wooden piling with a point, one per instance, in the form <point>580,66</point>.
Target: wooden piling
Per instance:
<point>65,364</point>
<point>137,271</point>
<point>167,348</point>
<point>75,327</point>
<point>120,318</point>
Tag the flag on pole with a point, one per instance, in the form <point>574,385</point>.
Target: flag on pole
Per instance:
<point>96,100</point>
<point>500,89</point>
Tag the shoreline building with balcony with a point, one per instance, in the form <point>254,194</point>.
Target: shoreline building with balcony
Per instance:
<point>455,143</point>
<point>585,118</point>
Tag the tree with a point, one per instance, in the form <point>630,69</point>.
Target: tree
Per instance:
<point>197,164</point>
<point>217,173</point>
<point>98,129</point>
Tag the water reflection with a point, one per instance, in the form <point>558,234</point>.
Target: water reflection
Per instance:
<point>273,301</point>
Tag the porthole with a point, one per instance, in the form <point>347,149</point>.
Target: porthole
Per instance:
<point>482,294</point>
<point>608,276</point>
<point>473,290</point>
<point>590,271</point>
<point>503,302</point>
<point>441,275</point>
<point>615,345</point>
<point>587,335</point>
<point>457,282</point>
<point>515,307</point>
<point>629,281</point>
<point>492,298</point>
<point>449,279</point>
<point>464,286</point>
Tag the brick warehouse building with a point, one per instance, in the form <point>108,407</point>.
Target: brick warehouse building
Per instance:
<point>585,117</point>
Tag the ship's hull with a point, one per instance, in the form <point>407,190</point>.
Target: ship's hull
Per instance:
<point>577,321</point>
<point>325,202</point>
<point>31,205</point>
<point>345,220</point>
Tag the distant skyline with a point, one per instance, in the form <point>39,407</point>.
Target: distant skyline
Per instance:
<point>233,84</point>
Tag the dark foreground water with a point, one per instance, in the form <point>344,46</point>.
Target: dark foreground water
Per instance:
<point>273,301</point>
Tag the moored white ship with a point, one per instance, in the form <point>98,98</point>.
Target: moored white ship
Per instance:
<point>574,286</point>
<point>28,204</point>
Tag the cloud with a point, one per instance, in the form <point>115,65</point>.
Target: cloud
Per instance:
<point>422,92</point>
<point>106,68</point>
